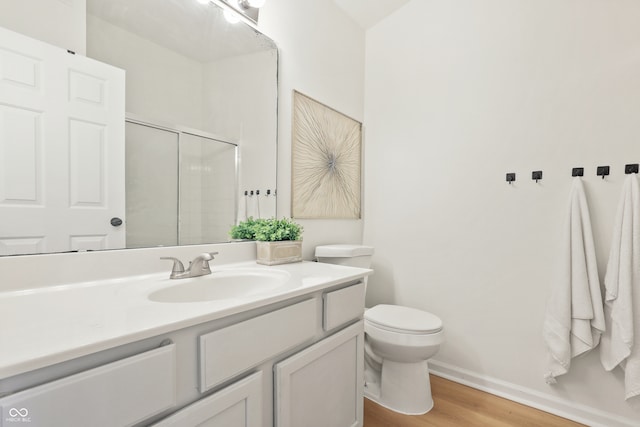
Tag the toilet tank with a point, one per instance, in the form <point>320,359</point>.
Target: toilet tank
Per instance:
<point>351,255</point>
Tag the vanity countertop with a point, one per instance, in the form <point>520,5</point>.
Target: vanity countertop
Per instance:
<point>43,326</point>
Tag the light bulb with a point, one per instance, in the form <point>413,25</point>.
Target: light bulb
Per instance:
<point>257,3</point>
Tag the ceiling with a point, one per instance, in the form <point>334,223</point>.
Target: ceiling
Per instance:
<point>368,13</point>
<point>193,25</point>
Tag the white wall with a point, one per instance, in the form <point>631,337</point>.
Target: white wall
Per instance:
<point>322,56</point>
<point>34,18</point>
<point>458,93</point>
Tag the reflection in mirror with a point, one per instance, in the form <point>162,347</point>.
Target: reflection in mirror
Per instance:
<point>179,188</point>
<point>201,103</point>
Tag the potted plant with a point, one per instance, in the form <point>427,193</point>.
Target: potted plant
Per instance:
<point>278,241</point>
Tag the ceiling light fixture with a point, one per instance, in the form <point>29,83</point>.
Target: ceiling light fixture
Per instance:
<point>231,16</point>
<point>246,4</point>
<point>257,3</point>
<point>237,10</point>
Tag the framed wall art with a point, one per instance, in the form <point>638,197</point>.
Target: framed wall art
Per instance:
<point>326,162</point>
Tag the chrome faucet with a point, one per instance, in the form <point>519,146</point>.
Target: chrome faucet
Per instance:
<point>198,267</point>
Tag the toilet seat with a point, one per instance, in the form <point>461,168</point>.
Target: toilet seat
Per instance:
<point>401,339</point>
<point>402,320</point>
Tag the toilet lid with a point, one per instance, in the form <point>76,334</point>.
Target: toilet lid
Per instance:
<point>403,319</point>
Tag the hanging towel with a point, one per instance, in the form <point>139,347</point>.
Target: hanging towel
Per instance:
<point>574,319</point>
<point>621,342</point>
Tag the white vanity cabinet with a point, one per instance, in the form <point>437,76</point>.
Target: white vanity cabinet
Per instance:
<point>295,362</point>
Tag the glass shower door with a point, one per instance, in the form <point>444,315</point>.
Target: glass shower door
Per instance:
<point>180,187</point>
<point>151,186</point>
<point>207,189</point>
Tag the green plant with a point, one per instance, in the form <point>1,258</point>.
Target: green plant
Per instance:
<point>267,230</point>
<point>273,230</point>
<point>245,229</point>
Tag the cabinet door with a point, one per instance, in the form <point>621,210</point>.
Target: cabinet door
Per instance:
<point>322,386</point>
<point>238,405</point>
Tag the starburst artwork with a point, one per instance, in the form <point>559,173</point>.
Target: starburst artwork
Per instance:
<point>326,169</point>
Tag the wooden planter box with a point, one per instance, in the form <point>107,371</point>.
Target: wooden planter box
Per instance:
<point>283,252</point>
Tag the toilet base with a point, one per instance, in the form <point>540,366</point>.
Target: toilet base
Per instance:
<point>400,387</point>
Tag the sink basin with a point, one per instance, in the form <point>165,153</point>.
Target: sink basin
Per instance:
<point>221,285</point>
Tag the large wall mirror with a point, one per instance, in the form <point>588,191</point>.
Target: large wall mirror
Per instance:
<point>200,126</point>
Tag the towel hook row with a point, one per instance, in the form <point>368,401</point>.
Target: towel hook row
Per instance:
<point>257,193</point>
<point>600,171</point>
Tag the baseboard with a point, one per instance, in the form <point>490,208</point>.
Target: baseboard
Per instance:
<point>545,402</point>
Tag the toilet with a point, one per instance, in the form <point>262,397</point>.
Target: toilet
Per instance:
<point>398,342</point>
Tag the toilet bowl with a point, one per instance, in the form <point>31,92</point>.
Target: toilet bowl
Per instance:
<point>398,342</point>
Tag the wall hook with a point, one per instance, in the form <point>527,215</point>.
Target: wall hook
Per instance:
<point>511,177</point>
<point>631,168</point>
<point>602,171</point>
<point>577,172</point>
<point>537,175</point>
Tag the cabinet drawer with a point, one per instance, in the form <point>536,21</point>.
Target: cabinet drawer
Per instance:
<point>227,352</point>
<point>121,393</point>
<point>342,306</point>
<point>239,404</point>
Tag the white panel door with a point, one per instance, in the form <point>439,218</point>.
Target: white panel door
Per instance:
<point>61,149</point>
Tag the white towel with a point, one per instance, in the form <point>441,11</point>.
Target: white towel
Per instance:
<point>574,319</point>
<point>621,342</point>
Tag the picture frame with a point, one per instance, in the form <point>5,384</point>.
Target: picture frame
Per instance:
<point>326,180</point>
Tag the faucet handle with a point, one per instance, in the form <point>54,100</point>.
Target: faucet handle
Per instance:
<point>200,264</point>
<point>178,267</point>
<point>206,256</point>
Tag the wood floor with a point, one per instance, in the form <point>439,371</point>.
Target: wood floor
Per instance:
<point>459,405</point>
